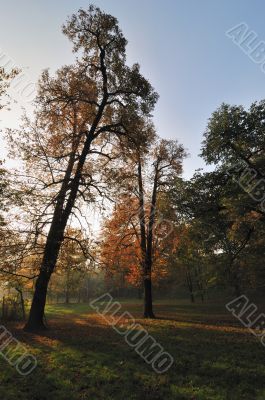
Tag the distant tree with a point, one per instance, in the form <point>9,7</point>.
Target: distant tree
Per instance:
<point>72,263</point>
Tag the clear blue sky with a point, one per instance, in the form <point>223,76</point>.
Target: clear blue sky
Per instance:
<point>180,44</point>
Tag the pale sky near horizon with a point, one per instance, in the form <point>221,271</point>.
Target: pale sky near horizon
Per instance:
<point>181,46</point>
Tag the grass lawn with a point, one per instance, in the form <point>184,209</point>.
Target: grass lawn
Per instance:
<point>82,357</point>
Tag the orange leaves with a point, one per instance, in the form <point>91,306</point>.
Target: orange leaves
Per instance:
<point>120,250</point>
<point>121,255</point>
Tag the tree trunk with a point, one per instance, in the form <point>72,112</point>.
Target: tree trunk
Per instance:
<point>51,252</point>
<point>200,284</point>
<point>192,299</point>
<point>148,301</point>
<point>36,316</point>
<point>67,296</point>
<point>22,303</point>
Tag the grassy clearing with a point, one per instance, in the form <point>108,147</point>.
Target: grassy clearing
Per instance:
<point>82,357</point>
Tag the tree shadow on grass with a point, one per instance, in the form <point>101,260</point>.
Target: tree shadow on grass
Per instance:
<point>84,358</point>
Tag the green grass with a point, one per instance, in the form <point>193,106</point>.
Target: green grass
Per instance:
<point>82,357</point>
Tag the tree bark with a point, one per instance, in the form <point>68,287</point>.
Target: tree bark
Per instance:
<point>147,239</point>
<point>22,303</point>
<point>148,305</point>
<point>36,316</point>
<point>148,300</point>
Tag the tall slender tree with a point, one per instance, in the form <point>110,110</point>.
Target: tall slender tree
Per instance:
<point>80,114</point>
<point>149,172</point>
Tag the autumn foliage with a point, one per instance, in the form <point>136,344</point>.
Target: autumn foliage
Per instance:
<point>121,251</point>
